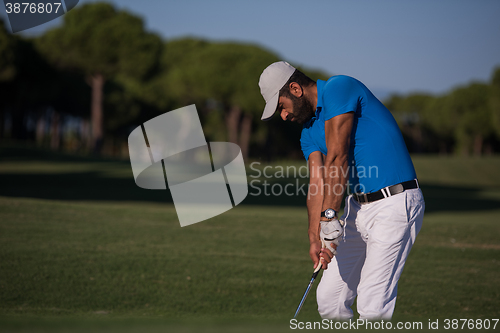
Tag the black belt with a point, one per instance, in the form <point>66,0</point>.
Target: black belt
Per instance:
<point>385,192</point>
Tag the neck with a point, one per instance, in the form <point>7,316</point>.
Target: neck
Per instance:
<point>311,93</point>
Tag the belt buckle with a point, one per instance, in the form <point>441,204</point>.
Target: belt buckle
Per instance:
<point>365,197</point>
<point>396,189</point>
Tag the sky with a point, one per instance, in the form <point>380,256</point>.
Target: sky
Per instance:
<point>394,46</point>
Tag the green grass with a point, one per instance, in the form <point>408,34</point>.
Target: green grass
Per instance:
<point>81,248</point>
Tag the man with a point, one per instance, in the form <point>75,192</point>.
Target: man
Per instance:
<point>351,140</point>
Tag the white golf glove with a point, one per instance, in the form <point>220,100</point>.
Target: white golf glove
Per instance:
<point>330,232</point>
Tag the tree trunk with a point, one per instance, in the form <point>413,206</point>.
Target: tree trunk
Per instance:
<point>478,144</point>
<point>246,129</point>
<point>97,85</point>
<point>418,139</point>
<point>2,122</point>
<point>85,140</point>
<point>18,129</point>
<point>442,147</point>
<point>232,122</point>
<point>488,150</point>
<point>54,131</point>
<point>40,129</point>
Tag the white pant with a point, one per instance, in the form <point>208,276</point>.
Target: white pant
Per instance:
<point>369,261</point>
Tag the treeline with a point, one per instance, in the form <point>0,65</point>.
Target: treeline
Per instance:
<point>464,121</point>
<point>83,87</point>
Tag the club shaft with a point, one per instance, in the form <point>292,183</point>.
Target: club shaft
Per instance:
<point>315,273</point>
<point>305,295</point>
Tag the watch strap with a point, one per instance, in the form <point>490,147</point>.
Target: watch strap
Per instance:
<point>323,213</point>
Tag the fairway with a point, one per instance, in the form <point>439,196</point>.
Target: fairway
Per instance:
<point>82,248</point>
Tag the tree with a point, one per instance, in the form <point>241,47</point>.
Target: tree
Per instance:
<point>102,43</point>
<point>7,67</point>
<point>7,54</point>
<point>27,82</point>
<point>470,105</point>
<point>495,101</point>
<point>410,113</point>
<point>233,78</point>
<point>222,78</point>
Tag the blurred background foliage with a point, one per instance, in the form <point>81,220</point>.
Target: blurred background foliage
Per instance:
<point>84,86</point>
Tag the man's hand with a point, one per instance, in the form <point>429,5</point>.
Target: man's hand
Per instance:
<point>330,233</point>
<point>316,251</point>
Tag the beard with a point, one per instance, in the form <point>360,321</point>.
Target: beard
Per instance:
<point>302,109</point>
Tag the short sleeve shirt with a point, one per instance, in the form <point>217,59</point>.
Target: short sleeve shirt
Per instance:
<point>378,156</point>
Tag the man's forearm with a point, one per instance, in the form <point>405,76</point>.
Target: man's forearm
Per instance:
<point>314,204</point>
<point>337,134</point>
<point>336,175</point>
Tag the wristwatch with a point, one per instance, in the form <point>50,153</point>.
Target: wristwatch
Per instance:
<point>328,213</point>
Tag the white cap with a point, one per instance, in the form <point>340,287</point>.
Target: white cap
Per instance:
<point>272,79</point>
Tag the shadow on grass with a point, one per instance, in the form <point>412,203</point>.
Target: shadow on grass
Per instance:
<point>94,186</point>
<point>18,152</point>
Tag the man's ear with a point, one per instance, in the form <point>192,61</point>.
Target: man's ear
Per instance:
<point>296,89</point>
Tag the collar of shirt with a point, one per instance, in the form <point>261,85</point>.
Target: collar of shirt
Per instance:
<point>319,104</point>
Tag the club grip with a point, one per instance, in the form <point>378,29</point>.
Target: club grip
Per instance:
<point>318,268</point>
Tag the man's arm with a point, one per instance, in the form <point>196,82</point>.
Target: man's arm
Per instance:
<point>327,180</point>
<point>314,203</point>
<point>337,135</point>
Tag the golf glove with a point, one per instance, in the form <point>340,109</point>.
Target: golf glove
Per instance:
<point>330,232</point>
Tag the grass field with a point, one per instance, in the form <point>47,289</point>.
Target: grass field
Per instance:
<point>83,249</point>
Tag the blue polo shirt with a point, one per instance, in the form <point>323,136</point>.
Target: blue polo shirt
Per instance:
<point>378,156</point>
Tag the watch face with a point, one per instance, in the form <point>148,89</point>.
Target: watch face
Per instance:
<point>329,213</point>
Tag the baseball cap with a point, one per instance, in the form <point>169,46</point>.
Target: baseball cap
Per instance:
<point>272,79</point>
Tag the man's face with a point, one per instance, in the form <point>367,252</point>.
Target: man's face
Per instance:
<point>298,109</point>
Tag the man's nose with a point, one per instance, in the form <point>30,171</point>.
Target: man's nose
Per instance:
<point>284,115</point>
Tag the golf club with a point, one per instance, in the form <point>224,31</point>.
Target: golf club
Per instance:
<point>315,274</point>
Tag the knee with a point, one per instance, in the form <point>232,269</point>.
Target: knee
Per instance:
<point>326,308</point>
<point>372,309</point>
<point>330,304</point>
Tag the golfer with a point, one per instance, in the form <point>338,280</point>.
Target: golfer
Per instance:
<point>351,141</point>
